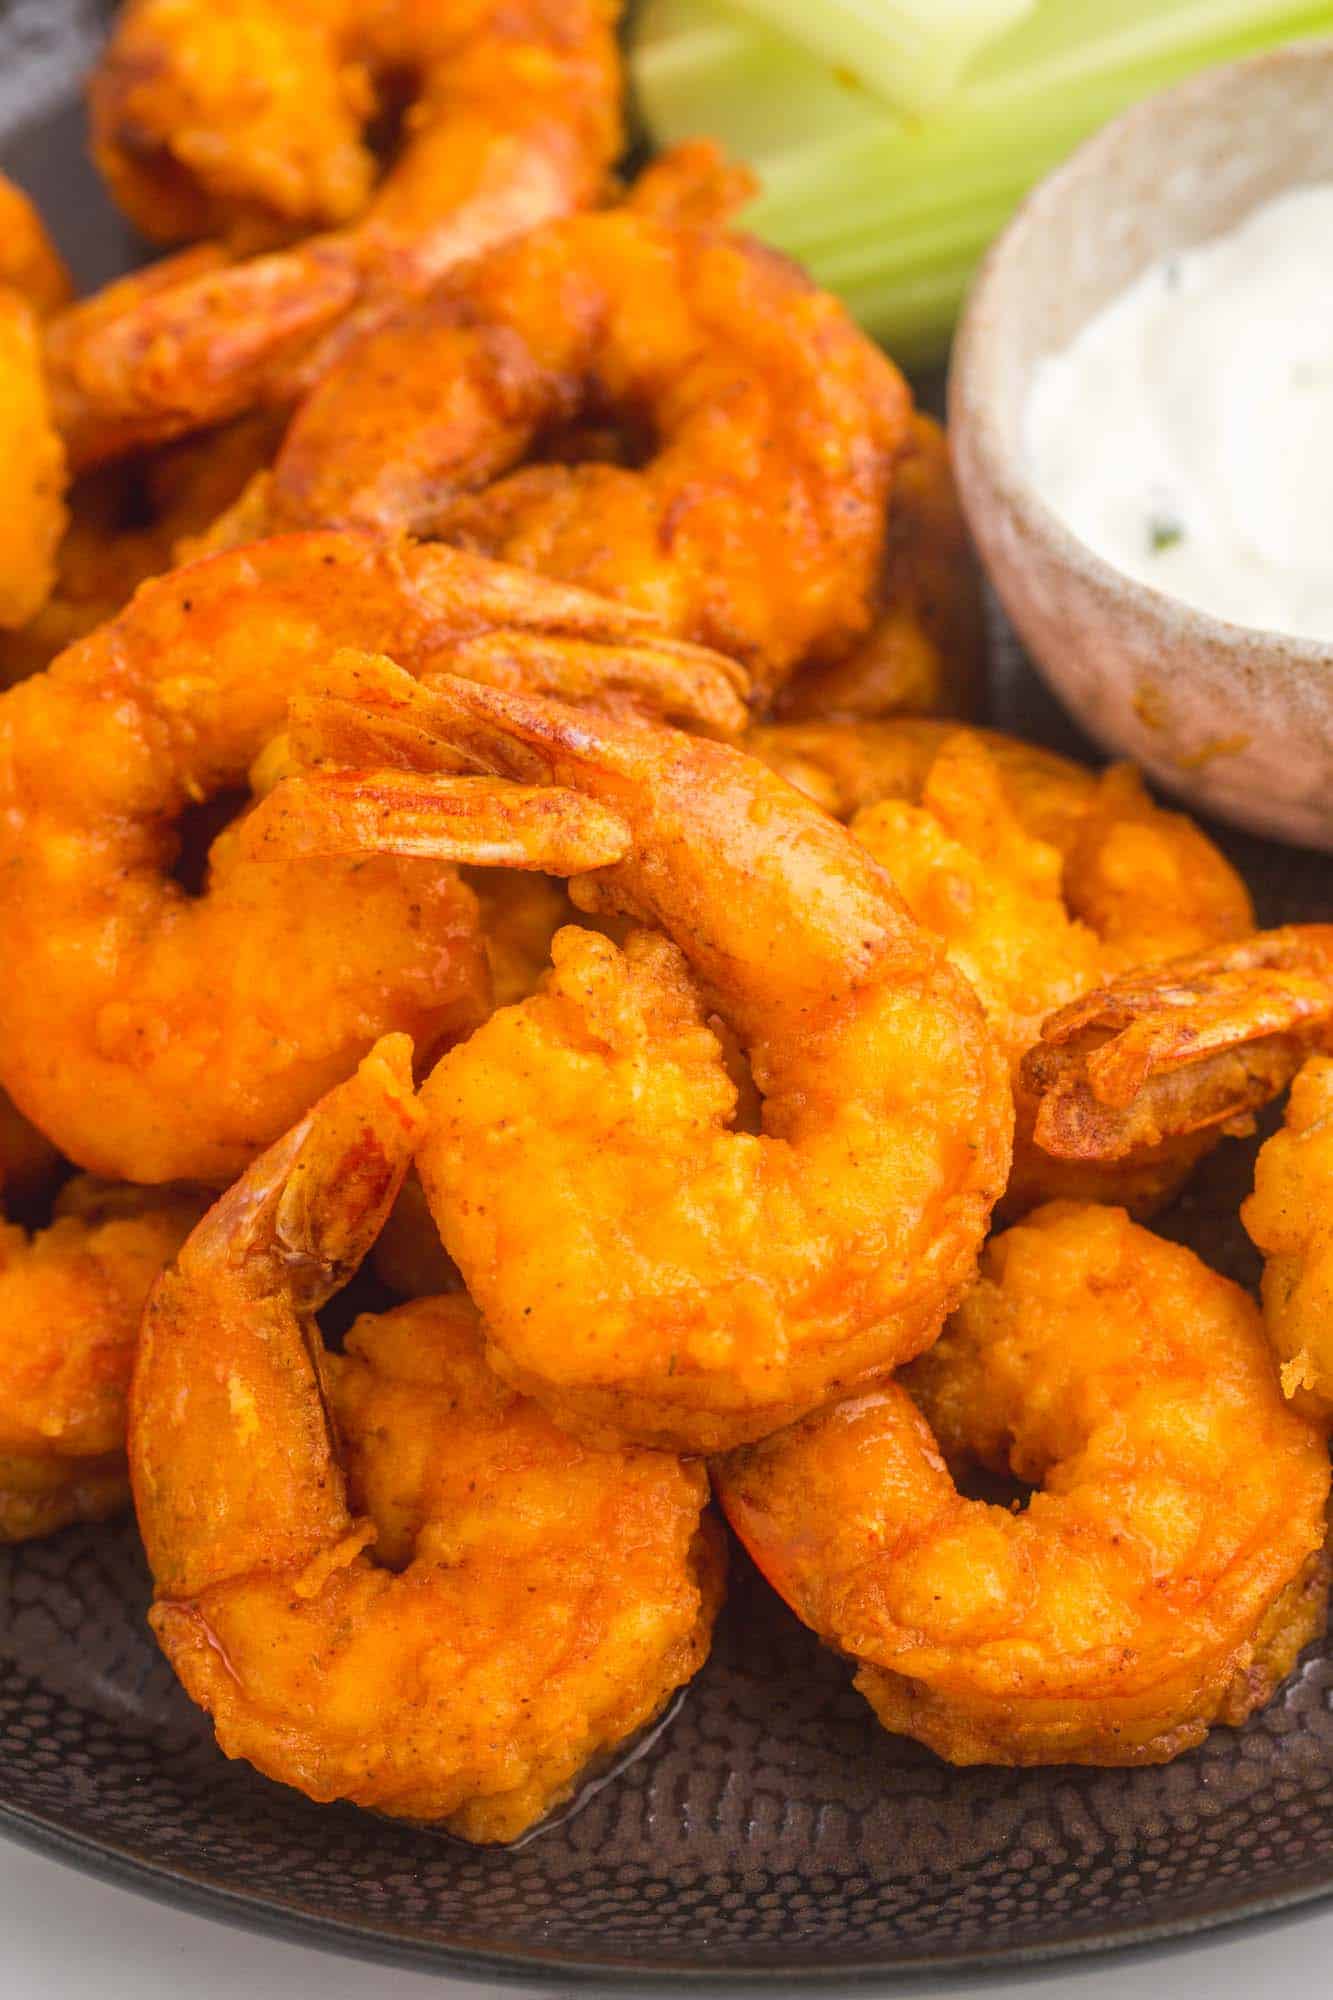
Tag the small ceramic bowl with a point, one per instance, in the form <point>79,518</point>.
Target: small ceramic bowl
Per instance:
<point>1237,721</point>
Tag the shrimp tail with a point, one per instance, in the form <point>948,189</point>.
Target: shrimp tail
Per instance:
<point>1192,1045</point>
<point>231,1453</point>
<point>455,738</point>
<point>311,1207</point>
<point>546,828</point>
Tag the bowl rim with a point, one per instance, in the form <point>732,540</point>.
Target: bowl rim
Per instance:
<point>973,414</point>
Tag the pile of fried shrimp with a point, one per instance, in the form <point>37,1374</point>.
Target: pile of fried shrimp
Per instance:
<point>491,818</point>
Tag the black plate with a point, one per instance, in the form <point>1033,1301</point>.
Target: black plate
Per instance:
<point>771,1828</point>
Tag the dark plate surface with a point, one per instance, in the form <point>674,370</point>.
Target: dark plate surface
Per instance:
<point>771,1828</point>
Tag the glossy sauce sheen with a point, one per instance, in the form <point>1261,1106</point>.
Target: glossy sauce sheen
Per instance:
<point>1186,433</point>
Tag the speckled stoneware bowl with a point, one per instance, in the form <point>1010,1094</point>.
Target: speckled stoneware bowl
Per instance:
<point>1237,721</point>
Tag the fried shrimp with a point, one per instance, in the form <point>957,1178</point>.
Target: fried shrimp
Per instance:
<point>1196,1047</point>
<point>756,524</point>
<point>925,654</point>
<point>530,1604</point>
<point>71,1296</point>
<point>1042,879</point>
<point>1163,1577</point>
<point>244,121</point>
<point>249,121</point>
<point>645,1269</point>
<point>1290,1217</point>
<point>516,119</point>
<point>158,1035</point>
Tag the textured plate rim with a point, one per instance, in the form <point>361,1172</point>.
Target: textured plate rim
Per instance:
<point>119,1867</point>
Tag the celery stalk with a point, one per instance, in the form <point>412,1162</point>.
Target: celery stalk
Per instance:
<point>907,53</point>
<point>894,213</point>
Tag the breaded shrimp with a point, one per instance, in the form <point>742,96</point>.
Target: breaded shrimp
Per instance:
<point>645,1269</point>
<point>516,120</point>
<point>926,652</point>
<point>1042,879</point>
<point>1290,1217</point>
<point>529,1604</point>
<point>1197,1046</point>
<point>1163,1577</point>
<point>70,1300</point>
<point>241,121</point>
<point>247,121</point>
<point>157,1035</point>
<point>757,522</point>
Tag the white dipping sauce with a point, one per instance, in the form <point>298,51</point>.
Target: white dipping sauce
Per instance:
<point>1186,434</point>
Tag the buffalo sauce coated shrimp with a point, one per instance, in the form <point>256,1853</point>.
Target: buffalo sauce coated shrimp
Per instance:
<point>388,1577</point>
<point>157,1035</point>
<point>516,119</point>
<point>247,121</point>
<point>71,1296</point>
<point>644,1269</point>
<point>1197,1046</point>
<point>1043,880</point>
<point>1163,1578</point>
<point>757,521</point>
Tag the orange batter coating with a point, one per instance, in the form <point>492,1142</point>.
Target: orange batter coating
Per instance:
<point>127,522</point>
<point>34,462</point>
<point>1163,1577</point>
<point>32,282</point>
<point>645,1269</point>
<point>516,119</point>
<point>244,120</point>
<point>387,1576</point>
<point>30,264</point>
<point>926,652</point>
<point>71,1296</point>
<point>1043,879</point>
<point>247,121</point>
<point>1290,1217</point>
<point>757,522</point>
<point>159,1035</point>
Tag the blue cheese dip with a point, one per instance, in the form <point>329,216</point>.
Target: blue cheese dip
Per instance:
<point>1186,433</point>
